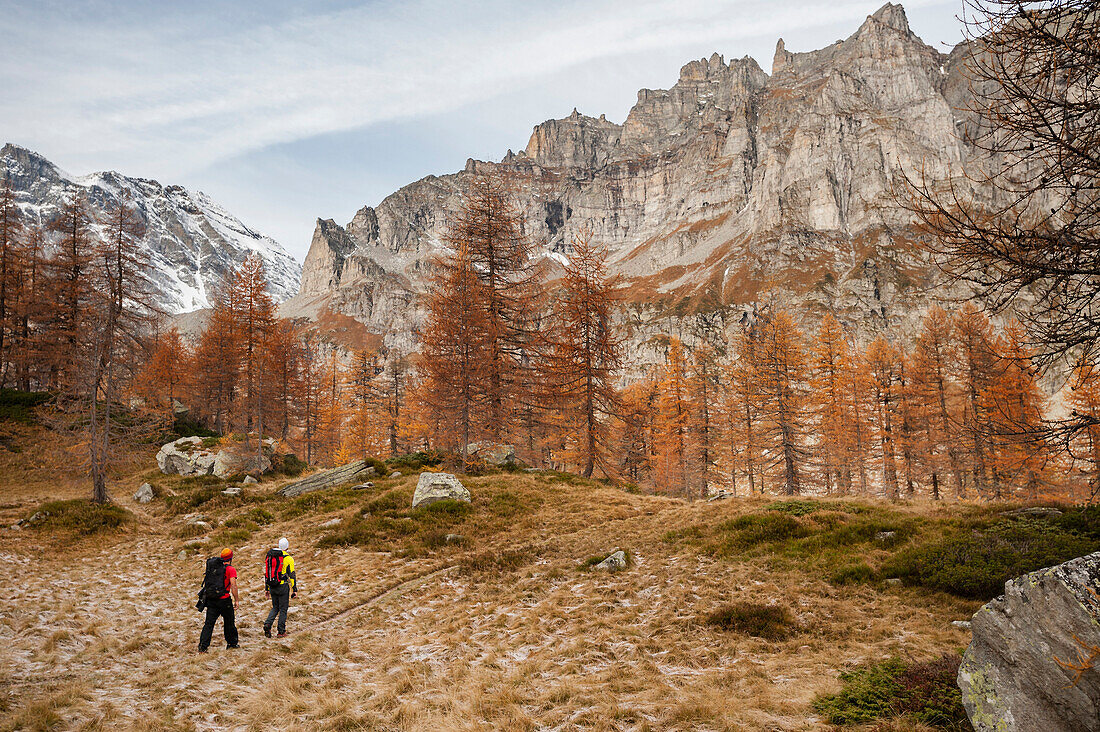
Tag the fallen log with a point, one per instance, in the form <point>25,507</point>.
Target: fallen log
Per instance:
<point>329,479</point>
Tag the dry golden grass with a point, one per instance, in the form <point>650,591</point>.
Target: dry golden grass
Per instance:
<point>101,634</point>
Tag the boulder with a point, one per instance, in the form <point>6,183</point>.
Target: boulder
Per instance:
<point>233,490</point>
<point>249,480</point>
<point>719,496</point>
<point>187,457</point>
<point>244,460</point>
<point>615,562</point>
<point>362,486</point>
<point>961,624</point>
<point>182,554</point>
<point>432,487</point>
<point>328,479</point>
<point>1022,671</point>
<point>332,522</point>
<point>395,474</point>
<point>492,453</point>
<point>144,493</point>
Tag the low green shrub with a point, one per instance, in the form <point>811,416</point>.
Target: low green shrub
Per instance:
<point>242,522</point>
<point>185,426</point>
<point>920,692</point>
<point>770,622</point>
<point>261,516</point>
<point>852,574</point>
<point>415,461</point>
<point>289,464</point>
<point>795,507</point>
<point>975,563</point>
<point>79,516</point>
<point>745,532</point>
<point>19,406</point>
<point>446,507</point>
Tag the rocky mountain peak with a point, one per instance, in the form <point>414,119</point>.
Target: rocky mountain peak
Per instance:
<point>729,189</point>
<point>192,242</point>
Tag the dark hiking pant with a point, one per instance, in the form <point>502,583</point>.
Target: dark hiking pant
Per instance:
<point>280,604</point>
<point>219,609</point>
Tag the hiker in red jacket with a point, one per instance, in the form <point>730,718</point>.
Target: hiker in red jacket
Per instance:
<point>220,594</point>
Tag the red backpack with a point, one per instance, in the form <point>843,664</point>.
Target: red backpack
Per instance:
<point>274,571</point>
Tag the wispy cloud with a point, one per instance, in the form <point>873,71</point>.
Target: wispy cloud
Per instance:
<point>181,86</point>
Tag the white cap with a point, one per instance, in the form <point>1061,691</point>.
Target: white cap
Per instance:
<point>283,544</point>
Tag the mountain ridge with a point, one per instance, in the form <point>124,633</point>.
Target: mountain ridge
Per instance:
<point>193,242</point>
<point>726,192</point>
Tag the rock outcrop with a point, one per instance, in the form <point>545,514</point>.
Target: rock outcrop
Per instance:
<point>187,457</point>
<point>144,494</point>
<point>492,453</point>
<point>329,478</point>
<point>433,487</point>
<point>726,191</point>
<point>1021,671</point>
<point>192,243</point>
<point>190,456</point>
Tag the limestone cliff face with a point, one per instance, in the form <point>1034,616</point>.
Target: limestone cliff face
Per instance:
<point>728,190</point>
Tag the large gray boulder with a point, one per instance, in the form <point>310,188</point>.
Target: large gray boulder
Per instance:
<point>187,457</point>
<point>1010,676</point>
<point>491,453</point>
<point>432,487</point>
<point>236,461</point>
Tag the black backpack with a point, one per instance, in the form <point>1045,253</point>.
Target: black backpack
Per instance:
<point>213,582</point>
<point>274,570</point>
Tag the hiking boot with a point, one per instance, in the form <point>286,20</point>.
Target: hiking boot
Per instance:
<point>267,630</point>
<point>230,648</point>
<point>282,635</point>
<point>202,650</point>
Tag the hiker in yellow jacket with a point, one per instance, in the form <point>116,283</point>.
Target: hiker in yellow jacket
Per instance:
<point>280,584</point>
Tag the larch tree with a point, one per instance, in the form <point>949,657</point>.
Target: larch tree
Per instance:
<point>1083,445</point>
<point>167,368</point>
<point>671,422</point>
<point>11,233</point>
<point>217,361</point>
<point>281,363</point>
<point>585,357</point>
<point>782,370</point>
<point>456,340</point>
<point>745,437</point>
<point>121,310</point>
<point>1016,404</point>
<point>704,420</point>
<point>68,274</point>
<point>883,360</point>
<point>976,366</point>
<point>254,311</point>
<point>829,379</point>
<point>934,393</point>
<point>488,231</point>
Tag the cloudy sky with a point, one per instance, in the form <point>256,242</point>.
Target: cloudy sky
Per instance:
<point>287,110</point>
